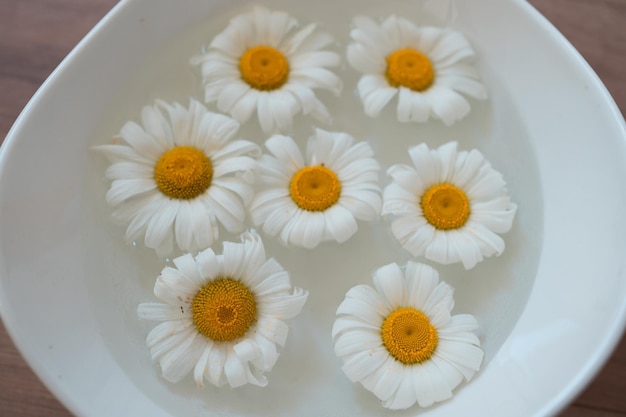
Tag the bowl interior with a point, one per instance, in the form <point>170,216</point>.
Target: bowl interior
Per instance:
<point>70,285</point>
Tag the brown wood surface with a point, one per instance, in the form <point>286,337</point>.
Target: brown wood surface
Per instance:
<point>35,35</point>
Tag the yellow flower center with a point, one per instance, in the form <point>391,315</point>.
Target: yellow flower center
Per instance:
<point>409,68</point>
<point>264,68</point>
<point>183,172</point>
<point>445,206</point>
<point>223,310</point>
<point>409,336</point>
<point>315,188</point>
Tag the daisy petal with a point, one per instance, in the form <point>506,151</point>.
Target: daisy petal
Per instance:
<point>464,85</point>
<point>490,242</point>
<point>183,226</point>
<point>404,397</point>
<point>138,213</point>
<point>268,278</point>
<point>160,312</point>
<point>375,94</point>
<point>285,150</point>
<point>447,105</point>
<point>430,385</point>
<point>321,58</point>
<point>421,282</point>
<point>464,357</point>
<point>468,250</point>
<point>363,61</point>
<point>316,41</point>
<point>293,44</point>
<point>384,382</point>
<point>247,350</point>
<point>242,110</point>
<point>122,190</point>
<point>362,364</point>
<point>273,283</point>
<point>225,206</point>
<point>269,354</point>
<point>169,332</point>
<point>428,38</point>
<point>160,225</point>
<point>340,223</point>
<point>187,266</point>
<point>389,282</point>
<point>451,48</point>
<point>278,219</point>
<point>363,205</point>
<point>128,171</point>
<point>201,366</point>
<point>157,126</point>
<point>356,340</point>
<point>412,106</point>
<point>235,371</point>
<point>497,215</point>
<point>317,78</point>
<point>426,164</point>
<point>231,95</point>
<point>214,131</point>
<point>174,288</point>
<point>166,344</point>
<point>370,311</point>
<point>405,227</point>
<point>346,323</point>
<point>141,141</point>
<point>280,24</point>
<point>308,233</point>
<point>420,240</point>
<point>285,306</point>
<point>200,222</point>
<point>282,108</point>
<point>215,364</point>
<point>122,153</point>
<point>368,34</point>
<point>273,329</point>
<point>181,359</point>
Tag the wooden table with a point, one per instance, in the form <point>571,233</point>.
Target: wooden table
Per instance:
<point>36,34</point>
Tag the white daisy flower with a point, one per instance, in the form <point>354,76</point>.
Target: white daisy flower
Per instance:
<point>450,206</point>
<point>429,68</point>
<point>308,203</point>
<point>261,61</point>
<point>400,341</point>
<point>179,175</point>
<point>223,315</point>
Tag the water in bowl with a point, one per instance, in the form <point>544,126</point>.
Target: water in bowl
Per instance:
<point>308,375</point>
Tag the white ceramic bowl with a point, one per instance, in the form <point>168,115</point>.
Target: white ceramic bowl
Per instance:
<point>551,307</point>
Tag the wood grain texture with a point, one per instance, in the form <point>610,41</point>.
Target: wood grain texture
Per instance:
<point>35,35</point>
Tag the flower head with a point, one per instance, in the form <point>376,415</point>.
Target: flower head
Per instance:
<point>400,341</point>
<point>320,200</point>
<point>178,174</point>
<point>222,316</point>
<point>429,68</point>
<point>262,62</point>
<point>450,206</point>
